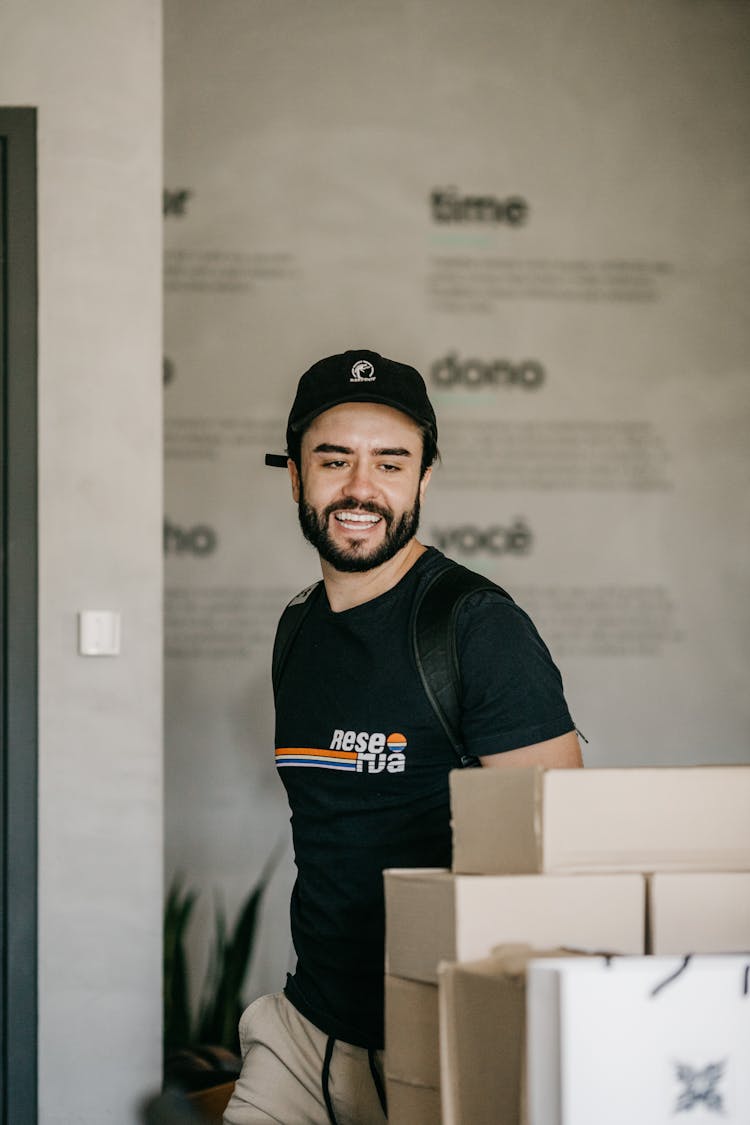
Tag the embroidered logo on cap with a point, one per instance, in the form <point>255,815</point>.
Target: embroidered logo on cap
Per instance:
<point>362,372</point>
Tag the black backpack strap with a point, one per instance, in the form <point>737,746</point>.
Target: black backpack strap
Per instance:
<point>433,634</point>
<point>289,625</point>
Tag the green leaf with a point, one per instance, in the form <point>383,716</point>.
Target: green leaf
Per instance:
<point>177,913</point>
<point>233,952</point>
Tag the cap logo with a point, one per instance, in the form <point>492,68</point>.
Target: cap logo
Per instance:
<point>362,372</point>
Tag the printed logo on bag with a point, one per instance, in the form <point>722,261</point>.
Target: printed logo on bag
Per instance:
<point>700,1087</point>
<point>355,751</point>
<point>362,372</point>
<point>453,373</point>
<point>448,205</point>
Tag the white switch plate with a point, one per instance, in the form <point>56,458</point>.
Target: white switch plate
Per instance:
<point>99,632</point>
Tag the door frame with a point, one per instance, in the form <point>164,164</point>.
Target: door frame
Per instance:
<point>18,615</point>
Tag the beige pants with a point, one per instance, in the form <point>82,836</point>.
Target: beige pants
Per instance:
<point>282,1072</point>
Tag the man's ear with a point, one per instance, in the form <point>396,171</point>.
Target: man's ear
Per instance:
<point>294,477</point>
<point>424,482</point>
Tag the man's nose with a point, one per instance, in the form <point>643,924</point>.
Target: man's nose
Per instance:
<point>360,484</point>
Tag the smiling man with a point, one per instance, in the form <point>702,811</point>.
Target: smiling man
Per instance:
<point>358,489</point>
<point>362,754</point>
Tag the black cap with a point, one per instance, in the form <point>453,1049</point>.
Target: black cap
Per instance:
<point>357,376</point>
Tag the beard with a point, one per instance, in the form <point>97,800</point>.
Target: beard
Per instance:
<point>357,557</point>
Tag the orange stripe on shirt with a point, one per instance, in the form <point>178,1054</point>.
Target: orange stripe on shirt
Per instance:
<point>301,750</point>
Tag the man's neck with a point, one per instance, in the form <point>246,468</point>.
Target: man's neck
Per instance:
<point>345,589</point>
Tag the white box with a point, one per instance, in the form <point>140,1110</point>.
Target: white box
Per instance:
<point>638,1041</point>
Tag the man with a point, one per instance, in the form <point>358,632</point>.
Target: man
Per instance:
<point>363,757</point>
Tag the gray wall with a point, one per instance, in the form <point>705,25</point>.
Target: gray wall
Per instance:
<point>303,145</point>
<point>93,71</point>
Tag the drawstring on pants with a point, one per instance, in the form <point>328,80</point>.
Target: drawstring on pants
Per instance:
<point>324,1079</point>
<point>327,1073</point>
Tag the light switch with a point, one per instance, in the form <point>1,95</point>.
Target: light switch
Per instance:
<point>99,632</point>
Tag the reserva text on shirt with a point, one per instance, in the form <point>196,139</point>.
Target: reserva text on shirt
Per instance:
<point>375,752</point>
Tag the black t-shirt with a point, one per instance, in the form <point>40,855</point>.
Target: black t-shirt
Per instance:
<point>365,763</point>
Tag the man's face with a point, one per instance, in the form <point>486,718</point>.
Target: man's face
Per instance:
<point>359,491</point>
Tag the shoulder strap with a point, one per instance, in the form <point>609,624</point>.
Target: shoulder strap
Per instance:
<point>433,635</point>
<point>288,627</point>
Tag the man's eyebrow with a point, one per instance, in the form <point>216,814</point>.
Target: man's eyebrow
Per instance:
<point>392,452</point>
<point>328,447</point>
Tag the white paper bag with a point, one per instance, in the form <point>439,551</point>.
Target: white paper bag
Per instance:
<point>639,1041</point>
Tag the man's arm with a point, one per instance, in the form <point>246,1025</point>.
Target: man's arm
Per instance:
<point>557,753</point>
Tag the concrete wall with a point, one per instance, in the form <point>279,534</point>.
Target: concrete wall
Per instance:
<point>93,71</point>
<point>304,147</point>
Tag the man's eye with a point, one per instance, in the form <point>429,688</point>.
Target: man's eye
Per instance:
<point>391,468</point>
<point>333,464</point>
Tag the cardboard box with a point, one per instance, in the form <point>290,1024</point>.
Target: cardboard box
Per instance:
<point>519,821</point>
<point>707,912</point>
<point>412,1105</point>
<point>412,1052</point>
<point>483,1037</point>
<point>434,916</point>
<point>638,1039</point>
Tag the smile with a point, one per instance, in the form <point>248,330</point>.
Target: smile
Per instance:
<point>356,521</point>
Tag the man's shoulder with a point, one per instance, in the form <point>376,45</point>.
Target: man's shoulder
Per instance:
<point>453,604</point>
<point>470,603</point>
<point>459,581</point>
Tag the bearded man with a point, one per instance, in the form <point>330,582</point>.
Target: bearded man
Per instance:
<point>361,752</point>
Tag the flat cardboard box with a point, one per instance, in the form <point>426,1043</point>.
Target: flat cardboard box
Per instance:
<point>520,821</point>
<point>412,1052</point>
<point>483,1037</point>
<point>704,912</point>
<point>412,1105</point>
<point>433,915</point>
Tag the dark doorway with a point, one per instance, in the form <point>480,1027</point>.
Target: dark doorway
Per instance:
<point>18,616</point>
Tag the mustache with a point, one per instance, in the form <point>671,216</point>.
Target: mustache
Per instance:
<point>350,504</point>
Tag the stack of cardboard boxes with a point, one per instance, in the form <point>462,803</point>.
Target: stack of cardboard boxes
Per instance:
<point>629,861</point>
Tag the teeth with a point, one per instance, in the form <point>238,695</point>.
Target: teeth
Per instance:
<point>355,517</point>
